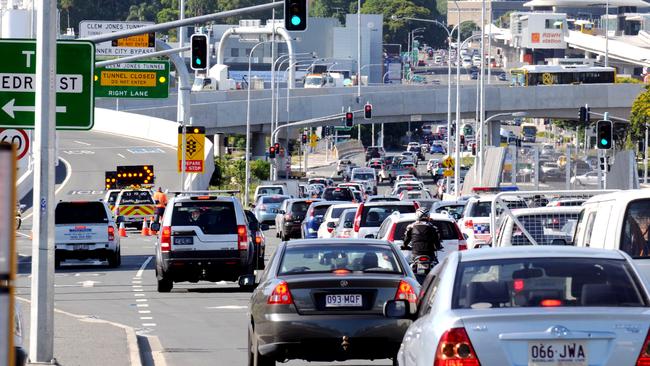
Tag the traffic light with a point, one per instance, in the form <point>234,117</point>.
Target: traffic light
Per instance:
<point>199,51</point>
<point>295,15</point>
<point>134,175</point>
<point>604,164</point>
<point>277,147</point>
<point>110,179</point>
<point>367,111</point>
<point>349,119</point>
<point>474,149</point>
<point>583,115</point>
<point>272,152</point>
<point>604,134</point>
<point>462,139</point>
<point>304,138</point>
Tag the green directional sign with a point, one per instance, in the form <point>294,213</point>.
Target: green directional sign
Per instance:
<point>139,79</point>
<point>342,128</point>
<point>74,86</point>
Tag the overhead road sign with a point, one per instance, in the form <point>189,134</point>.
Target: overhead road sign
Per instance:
<point>194,148</point>
<point>138,79</point>
<point>74,86</point>
<point>18,138</point>
<point>131,45</point>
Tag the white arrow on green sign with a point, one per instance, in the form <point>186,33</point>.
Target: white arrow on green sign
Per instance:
<point>74,84</point>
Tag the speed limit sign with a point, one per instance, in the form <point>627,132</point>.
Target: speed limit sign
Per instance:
<point>18,138</point>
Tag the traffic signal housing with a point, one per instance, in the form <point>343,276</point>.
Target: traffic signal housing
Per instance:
<point>473,149</point>
<point>295,15</point>
<point>367,111</point>
<point>272,152</point>
<point>304,138</point>
<point>349,119</point>
<point>583,115</point>
<point>604,134</point>
<point>199,49</point>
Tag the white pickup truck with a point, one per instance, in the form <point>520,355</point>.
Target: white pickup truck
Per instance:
<point>86,230</point>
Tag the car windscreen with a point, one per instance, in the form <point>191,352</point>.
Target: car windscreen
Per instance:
<point>80,213</point>
<point>635,236</point>
<point>363,176</point>
<point>338,194</point>
<point>270,190</point>
<point>213,218</point>
<point>314,258</point>
<point>136,198</point>
<point>274,199</point>
<point>373,216</point>
<point>544,282</point>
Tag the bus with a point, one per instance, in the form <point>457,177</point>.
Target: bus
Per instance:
<point>528,132</point>
<point>581,25</point>
<point>531,75</point>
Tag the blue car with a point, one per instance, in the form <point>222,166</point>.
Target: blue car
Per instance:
<point>266,207</point>
<point>437,149</point>
<point>314,217</point>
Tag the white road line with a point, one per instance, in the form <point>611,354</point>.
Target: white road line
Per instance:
<point>23,235</point>
<point>144,311</point>
<point>68,169</point>
<point>138,290</point>
<point>137,286</point>
<point>138,294</point>
<point>228,307</point>
<point>81,142</point>
<point>142,305</point>
<point>140,300</point>
<point>136,281</point>
<point>121,156</point>
<point>142,267</point>
<point>146,318</point>
<point>148,324</point>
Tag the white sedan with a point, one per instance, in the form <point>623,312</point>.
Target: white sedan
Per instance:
<point>587,179</point>
<point>531,305</point>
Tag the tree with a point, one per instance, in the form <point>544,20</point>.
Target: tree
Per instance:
<point>395,30</point>
<point>640,115</point>
<point>466,29</point>
<point>332,8</point>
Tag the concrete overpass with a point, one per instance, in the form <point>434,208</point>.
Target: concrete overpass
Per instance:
<point>225,112</point>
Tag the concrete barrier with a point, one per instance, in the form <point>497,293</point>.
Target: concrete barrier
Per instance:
<point>153,129</point>
<point>347,148</point>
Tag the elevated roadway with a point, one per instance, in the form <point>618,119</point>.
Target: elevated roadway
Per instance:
<point>618,49</point>
<point>225,112</point>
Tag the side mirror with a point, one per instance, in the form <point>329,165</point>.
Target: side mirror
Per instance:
<point>399,309</point>
<point>119,219</point>
<point>247,280</point>
<point>264,227</point>
<point>154,226</point>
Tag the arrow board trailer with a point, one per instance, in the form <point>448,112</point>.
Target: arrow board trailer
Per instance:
<point>74,84</point>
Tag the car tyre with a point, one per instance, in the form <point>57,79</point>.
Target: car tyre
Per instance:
<point>165,284</point>
<point>254,356</point>
<point>114,259</point>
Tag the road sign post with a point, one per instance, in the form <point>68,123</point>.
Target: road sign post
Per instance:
<point>139,79</point>
<point>74,86</point>
<point>7,250</point>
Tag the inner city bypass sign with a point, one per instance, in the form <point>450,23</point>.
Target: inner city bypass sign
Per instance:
<point>134,45</point>
<point>74,86</point>
<point>146,79</point>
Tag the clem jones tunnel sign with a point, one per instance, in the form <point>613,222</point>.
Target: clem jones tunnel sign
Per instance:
<point>142,79</point>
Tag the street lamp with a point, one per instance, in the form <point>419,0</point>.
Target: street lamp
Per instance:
<point>248,125</point>
<point>480,139</point>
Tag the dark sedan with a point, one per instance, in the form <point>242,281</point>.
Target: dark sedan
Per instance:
<point>323,301</point>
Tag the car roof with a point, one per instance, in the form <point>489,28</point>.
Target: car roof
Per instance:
<point>555,210</point>
<point>336,241</point>
<point>385,203</point>
<point>538,251</point>
<point>188,198</point>
<point>621,197</point>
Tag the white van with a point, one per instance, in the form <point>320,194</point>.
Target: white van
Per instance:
<point>618,220</point>
<point>367,176</point>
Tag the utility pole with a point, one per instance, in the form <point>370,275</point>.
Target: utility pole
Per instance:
<point>41,348</point>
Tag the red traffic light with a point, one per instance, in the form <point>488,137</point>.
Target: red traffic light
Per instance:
<point>272,152</point>
<point>277,146</point>
<point>367,111</point>
<point>349,118</point>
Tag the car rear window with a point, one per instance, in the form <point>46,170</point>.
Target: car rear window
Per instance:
<point>274,199</point>
<point>214,218</point>
<point>112,197</point>
<point>313,258</point>
<point>270,190</point>
<point>320,210</point>
<point>635,236</point>
<point>338,194</point>
<point>136,198</point>
<point>337,211</point>
<point>80,213</point>
<point>363,176</point>
<point>300,207</point>
<point>542,282</point>
<point>373,216</point>
<point>482,208</point>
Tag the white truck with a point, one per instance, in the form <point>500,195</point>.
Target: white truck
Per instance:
<point>285,187</point>
<point>86,230</point>
<point>216,79</point>
<point>366,176</point>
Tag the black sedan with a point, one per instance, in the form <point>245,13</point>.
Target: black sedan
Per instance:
<point>323,301</point>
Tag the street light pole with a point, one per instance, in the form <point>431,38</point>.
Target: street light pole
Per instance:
<point>606,33</point>
<point>511,114</point>
<point>248,126</point>
<point>457,132</point>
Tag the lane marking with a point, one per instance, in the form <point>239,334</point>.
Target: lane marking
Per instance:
<point>137,286</point>
<point>142,305</point>
<point>148,324</point>
<point>23,235</point>
<point>138,290</point>
<point>81,142</point>
<point>146,318</point>
<point>138,294</point>
<point>134,281</point>
<point>144,311</point>
<point>141,300</point>
<point>143,266</point>
<point>121,156</point>
<point>228,307</point>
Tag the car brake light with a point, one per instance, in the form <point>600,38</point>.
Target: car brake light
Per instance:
<point>330,229</point>
<point>258,240</point>
<point>462,244</point>
<point>165,239</point>
<point>111,233</point>
<point>287,216</point>
<point>518,285</point>
<point>455,349</point>
<point>469,224</point>
<point>416,204</point>
<point>644,356</point>
<point>357,218</point>
<point>242,237</point>
<point>391,234</point>
<point>280,295</point>
<point>550,302</point>
<point>406,292</point>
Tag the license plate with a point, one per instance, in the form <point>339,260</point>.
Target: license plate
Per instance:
<point>183,241</point>
<point>564,353</point>
<point>347,300</point>
<point>81,247</point>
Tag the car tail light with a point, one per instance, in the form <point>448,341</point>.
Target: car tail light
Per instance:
<point>330,229</point>
<point>644,356</point>
<point>242,237</point>
<point>287,216</point>
<point>406,292</point>
<point>416,204</point>
<point>280,295</point>
<point>391,234</point>
<point>357,218</point>
<point>551,302</point>
<point>258,240</point>
<point>462,244</point>
<point>469,224</point>
<point>111,233</point>
<point>165,239</point>
<point>455,349</point>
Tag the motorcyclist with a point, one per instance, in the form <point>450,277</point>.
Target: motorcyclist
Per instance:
<point>422,236</point>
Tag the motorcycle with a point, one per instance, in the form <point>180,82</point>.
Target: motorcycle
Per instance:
<point>19,211</point>
<point>422,264</point>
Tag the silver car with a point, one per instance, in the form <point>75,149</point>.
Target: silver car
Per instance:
<point>529,305</point>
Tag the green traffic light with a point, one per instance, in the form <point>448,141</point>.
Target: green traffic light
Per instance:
<point>198,61</point>
<point>295,20</point>
<point>604,142</point>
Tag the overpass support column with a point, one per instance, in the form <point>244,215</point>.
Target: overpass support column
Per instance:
<point>219,141</point>
<point>493,133</point>
<point>258,144</point>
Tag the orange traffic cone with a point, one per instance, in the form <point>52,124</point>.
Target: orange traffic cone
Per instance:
<point>145,228</point>
<point>151,231</point>
<point>122,230</point>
